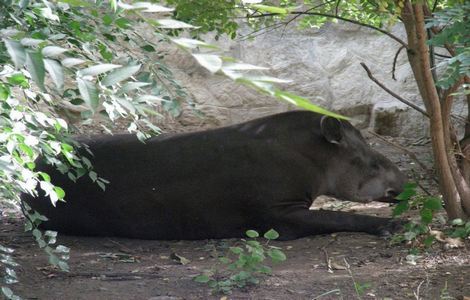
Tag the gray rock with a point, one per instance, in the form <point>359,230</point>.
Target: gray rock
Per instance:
<point>324,66</point>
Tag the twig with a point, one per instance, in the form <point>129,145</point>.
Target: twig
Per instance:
<point>389,34</point>
<point>122,247</point>
<point>417,291</point>
<point>117,275</point>
<point>395,62</point>
<point>411,154</point>
<point>335,291</point>
<point>348,267</point>
<point>412,105</point>
<point>416,177</point>
<point>327,257</point>
<point>442,55</point>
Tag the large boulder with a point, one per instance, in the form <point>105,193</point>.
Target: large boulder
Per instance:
<point>324,66</point>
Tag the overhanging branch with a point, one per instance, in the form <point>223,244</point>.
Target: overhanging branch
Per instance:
<point>310,13</point>
<point>401,99</point>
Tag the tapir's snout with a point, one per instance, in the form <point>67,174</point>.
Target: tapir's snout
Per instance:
<point>395,189</point>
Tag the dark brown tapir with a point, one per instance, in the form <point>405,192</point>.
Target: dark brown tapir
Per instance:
<point>218,183</point>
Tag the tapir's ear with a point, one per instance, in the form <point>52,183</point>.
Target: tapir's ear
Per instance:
<point>332,129</point>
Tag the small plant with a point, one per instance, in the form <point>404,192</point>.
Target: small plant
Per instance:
<point>417,231</point>
<point>460,229</point>
<point>10,275</point>
<point>243,264</point>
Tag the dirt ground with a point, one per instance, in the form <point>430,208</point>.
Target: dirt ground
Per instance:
<point>115,268</point>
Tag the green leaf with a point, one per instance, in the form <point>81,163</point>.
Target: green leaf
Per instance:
<point>59,192</point>
<point>202,278</point>
<point>16,52</point>
<point>120,75</point>
<point>27,150</point>
<point>93,175</point>
<point>457,222</point>
<point>429,240</point>
<point>18,79</point>
<point>433,203</point>
<point>304,103</point>
<point>401,207</point>
<point>77,3</point>
<point>265,270</point>
<point>7,292</point>
<point>123,23</point>
<point>271,234</point>
<point>255,244</point>
<point>130,86</point>
<point>63,266</point>
<point>225,260</point>
<point>89,93</point>
<point>4,92</point>
<point>148,48</point>
<point>270,9</point>
<point>426,215</point>
<point>406,195</point>
<point>192,44</point>
<point>236,250</point>
<point>277,255</point>
<point>35,66</point>
<point>98,69</point>
<point>145,7</point>
<point>53,51</point>
<point>410,235</point>
<point>70,62</point>
<point>211,62</point>
<point>252,234</point>
<point>173,24</point>
<point>55,71</point>
<point>243,67</point>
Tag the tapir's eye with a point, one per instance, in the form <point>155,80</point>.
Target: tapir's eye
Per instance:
<point>357,161</point>
<point>375,165</point>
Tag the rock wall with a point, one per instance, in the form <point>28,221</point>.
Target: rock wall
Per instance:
<point>324,66</point>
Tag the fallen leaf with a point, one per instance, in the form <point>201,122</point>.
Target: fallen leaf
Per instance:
<point>454,243</point>
<point>439,235</point>
<point>336,266</point>
<point>179,259</point>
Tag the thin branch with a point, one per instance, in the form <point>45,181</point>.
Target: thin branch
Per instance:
<point>442,55</point>
<point>261,31</point>
<point>313,8</point>
<point>391,35</point>
<point>435,5</point>
<point>412,105</point>
<point>337,7</point>
<point>411,154</point>
<point>395,62</point>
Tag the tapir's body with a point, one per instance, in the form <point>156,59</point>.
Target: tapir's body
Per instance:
<point>257,175</point>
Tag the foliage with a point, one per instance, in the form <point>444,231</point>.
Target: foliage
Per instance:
<point>244,264</point>
<point>455,25</point>
<point>60,69</point>
<point>10,274</point>
<point>460,229</point>
<point>207,15</point>
<point>417,231</point>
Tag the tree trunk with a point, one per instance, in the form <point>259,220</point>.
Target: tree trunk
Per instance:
<point>418,55</point>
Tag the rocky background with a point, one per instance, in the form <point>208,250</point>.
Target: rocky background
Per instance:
<point>324,66</point>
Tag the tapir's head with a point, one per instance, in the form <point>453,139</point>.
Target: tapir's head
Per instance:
<point>355,171</point>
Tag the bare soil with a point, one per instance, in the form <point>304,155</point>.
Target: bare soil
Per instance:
<point>115,268</point>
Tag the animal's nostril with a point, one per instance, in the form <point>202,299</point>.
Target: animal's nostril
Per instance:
<point>391,193</point>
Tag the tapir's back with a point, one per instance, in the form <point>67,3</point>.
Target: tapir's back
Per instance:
<point>191,186</point>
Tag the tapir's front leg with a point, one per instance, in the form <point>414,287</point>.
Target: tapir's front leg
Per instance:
<point>305,222</point>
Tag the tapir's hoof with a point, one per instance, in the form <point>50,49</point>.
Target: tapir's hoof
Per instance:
<point>393,226</point>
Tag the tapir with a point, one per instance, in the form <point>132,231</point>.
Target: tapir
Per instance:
<point>218,183</point>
